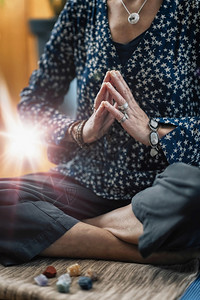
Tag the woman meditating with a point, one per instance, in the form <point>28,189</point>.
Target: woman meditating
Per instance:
<point>126,185</point>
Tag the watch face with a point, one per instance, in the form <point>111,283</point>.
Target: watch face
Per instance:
<point>153,124</point>
<point>154,139</point>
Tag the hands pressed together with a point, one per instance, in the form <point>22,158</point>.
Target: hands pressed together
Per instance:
<point>115,101</point>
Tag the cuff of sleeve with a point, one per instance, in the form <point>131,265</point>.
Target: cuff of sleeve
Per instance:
<point>172,121</point>
<point>61,130</point>
<point>172,144</point>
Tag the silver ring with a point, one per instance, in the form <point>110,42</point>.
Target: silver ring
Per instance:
<point>124,118</point>
<point>123,107</point>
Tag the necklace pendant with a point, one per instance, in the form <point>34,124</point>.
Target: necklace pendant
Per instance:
<point>133,18</point>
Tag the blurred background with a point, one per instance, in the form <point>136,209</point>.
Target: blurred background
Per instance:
<point>24,26</point>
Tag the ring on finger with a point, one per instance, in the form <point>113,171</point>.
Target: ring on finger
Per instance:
<point>123,107</point>
<point>124,118</point>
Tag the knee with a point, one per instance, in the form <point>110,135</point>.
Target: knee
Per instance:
<point>187,177</point>
<point>181,182</point>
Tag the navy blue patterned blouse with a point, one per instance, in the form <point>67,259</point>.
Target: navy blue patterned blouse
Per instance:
<point>163,74</point>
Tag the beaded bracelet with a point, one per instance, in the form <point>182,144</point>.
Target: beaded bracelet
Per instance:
<point>154,137</point>
<point>70,130</point>
<point>79,134</point>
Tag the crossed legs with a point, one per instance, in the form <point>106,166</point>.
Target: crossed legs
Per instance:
<point>121,222</point>
<point>112,236</point>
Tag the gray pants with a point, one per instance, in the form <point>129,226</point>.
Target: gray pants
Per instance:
<point>37,209</point>
<point>170,211</point>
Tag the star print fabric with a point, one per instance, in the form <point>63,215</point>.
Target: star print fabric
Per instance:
<point>163,74</point>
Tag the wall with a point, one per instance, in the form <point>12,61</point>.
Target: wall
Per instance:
<point>18,58</point>
<point>18,55</point>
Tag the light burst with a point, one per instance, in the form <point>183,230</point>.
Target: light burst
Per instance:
<point>22,145</point>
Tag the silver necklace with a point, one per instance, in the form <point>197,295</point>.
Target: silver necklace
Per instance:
<point>133,18</point>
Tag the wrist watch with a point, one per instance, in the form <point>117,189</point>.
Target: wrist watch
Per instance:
<point>153,137</point>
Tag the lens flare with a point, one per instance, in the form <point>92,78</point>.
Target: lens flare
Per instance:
<point>21,145</point>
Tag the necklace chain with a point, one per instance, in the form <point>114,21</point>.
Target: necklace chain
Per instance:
<point>133,17</point>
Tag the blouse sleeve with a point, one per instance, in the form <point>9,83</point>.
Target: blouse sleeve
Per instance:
<point>183,143</point>
<point>48,85</point>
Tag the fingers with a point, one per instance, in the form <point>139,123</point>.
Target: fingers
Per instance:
<point>117,88</point>
<point>109,97</point>
<point>117,114</point>
<point>100,96</point>
<point>100,110</point>
<point>119,99</point>
<point>107,77</point>
<point>121,85</point>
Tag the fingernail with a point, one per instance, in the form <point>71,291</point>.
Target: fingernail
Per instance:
<point>109,84</point>
<point>114,73</point>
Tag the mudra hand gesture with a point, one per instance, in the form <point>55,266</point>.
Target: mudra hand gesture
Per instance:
<point>101,119</point>
<point>133,119</point>
<point>124,108</point>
